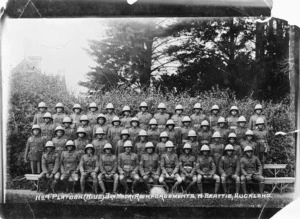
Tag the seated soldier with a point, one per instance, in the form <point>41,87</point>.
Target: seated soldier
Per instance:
<point>187,165</point>
<point>170,166</point>
<point>89,167</point>
<point>108,168</point>
<point>128,165</point>
<point>68,166</point>
<point>251,169</point>
<point>149,165</point>
<point>206,169</point>
<point>50,166</point>
<point>229,168</point>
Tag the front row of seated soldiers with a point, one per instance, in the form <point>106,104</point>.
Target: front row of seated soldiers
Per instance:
<point>188,169</point>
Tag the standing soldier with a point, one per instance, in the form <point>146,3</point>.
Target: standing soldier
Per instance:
<point>186,121</point>
<point>214,116</point>
<point>69,128</point>
<point>177,117</point>
<point>38,117</point>
<point>50,167</point>
<point>59,116</point>
<point>76,115</point>
<point>120,144</point>
<point>251,169</point>
<point>174,135</point>
<point>249,141</point>
<point>92,114</point>
<point>170,166</point>
<point>89,167</point>
<point>143,116</point>
<point>232,120</point>
<point>237,148</point>
<point>114,132</point>
<point>206,169</point>
<point>241,129</point>
<point>59,141</point>
<point>34,149</point>
<point>99,142</point>
<point>134,129</point>
<point>128,165</point>
<point>81,141</point>
<point>47,128</point>
<point>221,128</point>
<point>258,114</point>
<point>68,166</point>
<point>161,146</point>
<point>229,168</point>
<point>101,123</point>
<point>84,123</point>
<point>187,165</point>
<point>110,114</point>
<point>204,134</point>
<point>125,121</point>
<point>198,117</point>
<point>139,147</point>
<point>150,165</point>
<point>153,132</point>
<point>261,137</point>
<point>192,140</point>
<point>108,168</point>
<point>161,117</point>
<point>216,148</point>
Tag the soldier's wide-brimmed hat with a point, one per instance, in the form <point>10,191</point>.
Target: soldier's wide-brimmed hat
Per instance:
<point>89,146</point>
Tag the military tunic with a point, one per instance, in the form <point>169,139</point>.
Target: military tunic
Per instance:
<point>47,131</point>
<point>125,122</point>
<point>50,163</point>
<point>89,163</point>
<point>216,151</point>
<point>69,133</point>
<point>109,118</point>
<point>76,119</point>
<point>38,118</point>
<point>169,163</point>
<point>213,120</point>
<point>105,128</point>
<point>197,119</point>
<point>153,136</point>
<point>204,137</point>
<point>144,119</point>
<point>252,121</point>
<point>160,148</point>
<point>58,119</point>
<point>99,145</point>
<point>89,131</point>
<point>149,164</point>
<point>177,120</point>
<point>108,164</point>
<point>187,164</point>
<point>80,144</point>
<point>161,120</point>
<point>59,144</point>
<point>92,116</point>
<point>128,163</point>
<point>232,122</point>
<point>35,148</point>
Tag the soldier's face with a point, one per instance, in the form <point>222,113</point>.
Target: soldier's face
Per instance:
<point>110,111</point>
<point>221,124</point>
<point>89,151</point>
<point>107,151</point>
<point>186,151</point>
<point>249,153</point>
<point>163,139</point>
<point>59,133</point>
<point>70,148</point>
<point>47,120</point>
<point>77,110</point>
<point>116,123</point>
<point>127,149</point>
<point>205,153</point>
<point>59,109</point>
<point>229,153</point>
<point>149,150</point>
<point>204,127</point>
<point>197,110</point>
<point>169,149</point>
<point>143,109</point>
<point>49,149</point>
<point>99,136</point>
<point>178,112</point>
<point>260,126</point>
<point>161,110</point>
<point>36,131</point>
<point>93,109</point>
<point>170,127</point>
<point>81,135</point>
<point>152,126</point>
<point>242,124</point>
<point>84,122</point>
<point>101,121</point>
<point>249,137</point>
<point>42,109</point>
<point>217,140</point>
<point>192,138</point>
<point>231,140</point>
<point>143,138</point>
<point>124,137</point>
<point>67,124</point>
<point>258,111</point>
<point>233,112</point>
<point>134,124</point>
<point>126,113</point>
<point>186,124</point>
<point>215,111</point>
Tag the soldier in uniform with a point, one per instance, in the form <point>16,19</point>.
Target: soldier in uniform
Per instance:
<point>206,169</point>
<point>198,116</point>
<point>89,167</point>
<point>34,149</point>
<point>101,123</point>
<point>153,132</point>
<point>161,117</point>
<point>170,167</point>
<point>76,115</point>
<point>186,121</point>
<point>241,129</point>
<point>114,132</point>
<point>60,140</point>
<point>204,134</point>
<point>128,165</point>
<point>149,165</point>
<point>69,128</point>
<point>92,114</point>
<point>177,117</point>
<point>38,117</point>
<point>59,116</point>
<point>81,141</point>
<point>50,167</point>
<point>143,116</point>
<point>258,114</point>
<point>249,141</point>
<point>237,148</point>
<point>232,120</point>
<point>161,146</point>
<point>124,137</point>
<point>47,128</point>
<point>84,123</point>
<point>108,168</point>
<point>139,147</point>
<point>251,169</point>
<point>134,130</point>
<point>174,135</point>
<point>216,148</point>
<point>99,142</point>
<point>192,140</point>
<point>261,137</point>
<point>125,121</point>
<point>110,114</point>
<point>187,166</point>
<point>214,116</point>
<point>229,168</point>
<point>221,128</point>
<point>69,166</point>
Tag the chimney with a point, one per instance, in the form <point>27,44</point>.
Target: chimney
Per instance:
<point>36,61</point>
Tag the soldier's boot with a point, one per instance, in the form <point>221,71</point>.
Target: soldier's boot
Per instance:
<point>135,182</point>
<point>188,188</point>
<point>244,188</point>
<point>224,186</point>
<point>73,186</point>
<point>47,187</point>
<point>174,188</point>
<point>200,188</point>
<point>217,186</point>
<point>95,187</point>
<point>82,187</point>
<point>165,186</point>
<point>124,183</point>
<point>102,186</point>
<point>115,187</point>
<point>54,186</point>
<point>261,187</point>
<point>237,187</point>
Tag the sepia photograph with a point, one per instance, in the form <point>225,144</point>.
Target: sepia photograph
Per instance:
<point>149,117</point>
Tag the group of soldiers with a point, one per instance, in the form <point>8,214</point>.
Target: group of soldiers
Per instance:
<point>147,148</point>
